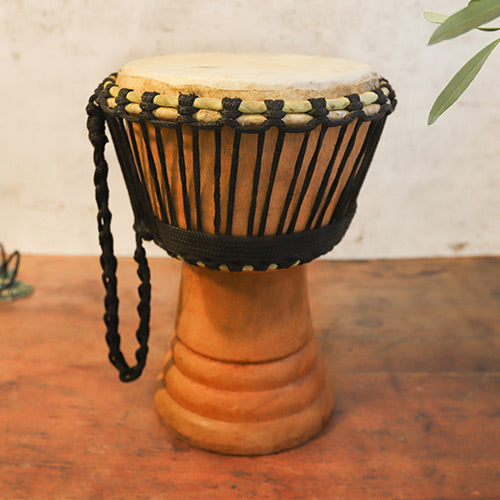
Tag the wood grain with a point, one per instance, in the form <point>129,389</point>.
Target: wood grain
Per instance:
<point>412,347</point>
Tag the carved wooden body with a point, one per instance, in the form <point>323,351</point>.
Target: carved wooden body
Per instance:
<point>244,375</point>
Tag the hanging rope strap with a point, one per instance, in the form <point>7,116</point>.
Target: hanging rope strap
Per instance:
<point>97,136</point>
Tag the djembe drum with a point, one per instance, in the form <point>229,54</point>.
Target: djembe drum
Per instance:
<point>244,167</point>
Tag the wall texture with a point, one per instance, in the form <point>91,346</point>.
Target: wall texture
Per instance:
<point>431,191</point>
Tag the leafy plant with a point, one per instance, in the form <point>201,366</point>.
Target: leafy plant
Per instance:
<point>473,16</point>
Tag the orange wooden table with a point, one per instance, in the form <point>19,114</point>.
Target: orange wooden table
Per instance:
<point>412,347</point>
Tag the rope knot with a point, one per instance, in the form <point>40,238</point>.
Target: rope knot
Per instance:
<point>148,106</point>
<point>274,111</point>
<point>355,103</point>
<point>382,98</point>
<point>230,108</point>
<point>95,126</point>
<point>318,107</point>
<point>186,109</point>
<point>121,99</point>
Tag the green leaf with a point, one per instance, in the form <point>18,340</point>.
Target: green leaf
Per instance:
<point>484,29</point>
<point>460,82</point>
<point>473,16</point>
<point>434,17</point>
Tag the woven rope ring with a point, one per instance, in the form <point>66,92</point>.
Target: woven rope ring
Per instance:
<point>209,111</point>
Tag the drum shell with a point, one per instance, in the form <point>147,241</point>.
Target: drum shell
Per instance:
<point>191,153</point>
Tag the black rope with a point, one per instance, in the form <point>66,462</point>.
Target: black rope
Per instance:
<point>255,184</point>
<point>232,181</point>
<point>343,201</point>
<point>163,163</point>
<point>97,136</point>
<point>124,153</point>
<point>182,171</point>
<point>135,150</point>
<point>272,176</point>
<point>217,173</point>
<point>326,178</point>
<point>152,169</point>
<point>196,174</point>
<point>340,171</point>
<point>293,182</point>
<point>307,179</point>
<point>371,143</point>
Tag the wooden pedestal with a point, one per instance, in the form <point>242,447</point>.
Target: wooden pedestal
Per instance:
<point>243,375</point>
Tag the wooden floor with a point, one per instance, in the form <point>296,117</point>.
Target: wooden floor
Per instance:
<point>412,347</point>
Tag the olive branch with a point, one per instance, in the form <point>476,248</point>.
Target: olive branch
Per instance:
<point>474,16</point>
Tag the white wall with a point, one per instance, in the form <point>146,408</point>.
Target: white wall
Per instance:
<point>431,191</point>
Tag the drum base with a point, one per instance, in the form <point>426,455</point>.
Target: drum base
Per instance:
<point>243,375</point>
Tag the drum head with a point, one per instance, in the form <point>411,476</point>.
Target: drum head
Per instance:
<point>249,76</point>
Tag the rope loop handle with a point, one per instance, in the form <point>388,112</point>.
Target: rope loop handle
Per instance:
<point>97,135</point>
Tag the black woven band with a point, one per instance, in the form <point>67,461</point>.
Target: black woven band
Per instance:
<point>257,253</point>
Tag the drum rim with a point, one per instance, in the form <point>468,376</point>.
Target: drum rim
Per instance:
<point>293,115</point>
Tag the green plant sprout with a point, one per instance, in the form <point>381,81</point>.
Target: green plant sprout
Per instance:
<point>473,16</point>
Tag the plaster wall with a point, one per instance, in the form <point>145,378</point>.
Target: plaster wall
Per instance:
<point>430,192</point>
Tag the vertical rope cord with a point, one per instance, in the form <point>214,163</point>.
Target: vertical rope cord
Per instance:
<point>163,164</point>
<point>97,136</point>
<point>307,179</point>
<point>372,138</point>
<point>326,177</point>
<point>272,176</point>
<point>338,175</point>
<point>293,182</point>
<point>255,184</point>
<point>196,175</point>
<point>217,172</point>
<point>127,165</point>
<point>232,181</point>
<point>152,168</point>
<point>182,171</point>
<point>136,155</point>
<point>351,180</point>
